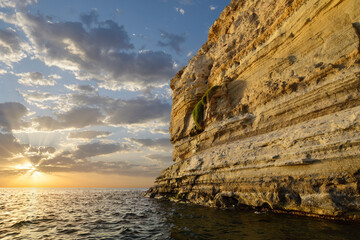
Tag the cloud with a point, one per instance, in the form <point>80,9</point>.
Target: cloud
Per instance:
<point>139,110</point>
<point>96,149</point>
<point>102,51</point>
<point>81,117</point>
<point>82,88</point>
<point>54,76</point>
<point>89,134</point>
<point>16,3</point>
<point>12,47</point>
<point>41,150</point>
<point>36,78</point>
<point>75,118</point>
<point>132,111</point>
<point>47,123</point>
<point>109,111</point>
<point>172,41</point>
<point>160,159</point>
<point>37,154</point>
<point>11,114</point>
<point>43,100</point>
<point>47,159</point>
<point>9,146</point>
<point>119,11</point>
<point>93,100</point>
<point>212,8</point>
<point>65,164</point>
<point>77,161</point>
<point>89,19</point>
<point>159,130</point>
<point>189,54</point>
<point>162,144</point>
<point>44,156</point>
<point>180,10</point>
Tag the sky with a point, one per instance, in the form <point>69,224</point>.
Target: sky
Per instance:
<point>84,87</point>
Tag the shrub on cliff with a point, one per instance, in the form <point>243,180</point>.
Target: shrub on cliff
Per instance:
<point>198,114</point>
<point>198,111</point>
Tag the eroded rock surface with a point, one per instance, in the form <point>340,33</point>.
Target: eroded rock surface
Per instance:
<point>283,129</point>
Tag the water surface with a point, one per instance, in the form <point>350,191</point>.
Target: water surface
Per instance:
<point>124,214</point>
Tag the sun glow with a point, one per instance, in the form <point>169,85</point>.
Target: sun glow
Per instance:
<point>26,166</point>
<point>30,176</point>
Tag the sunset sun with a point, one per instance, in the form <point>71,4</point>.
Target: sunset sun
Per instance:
<point>30,176</point>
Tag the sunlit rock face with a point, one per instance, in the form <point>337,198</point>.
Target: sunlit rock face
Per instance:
<point>283,129</point>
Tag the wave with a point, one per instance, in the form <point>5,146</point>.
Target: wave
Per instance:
<point>125,214</point>
<point>23,223</point>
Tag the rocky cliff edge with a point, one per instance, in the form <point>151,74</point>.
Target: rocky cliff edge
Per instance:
<point>282,129</point>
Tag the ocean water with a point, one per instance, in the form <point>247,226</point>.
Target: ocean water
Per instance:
<point>124,214</point>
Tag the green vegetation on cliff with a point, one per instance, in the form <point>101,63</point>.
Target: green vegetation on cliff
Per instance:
<point>198,111</point>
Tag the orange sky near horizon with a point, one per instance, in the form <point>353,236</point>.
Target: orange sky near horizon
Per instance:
<point>75,180</point>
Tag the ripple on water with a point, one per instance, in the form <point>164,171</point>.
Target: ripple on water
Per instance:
<point>21,224</point>
<point>125,214</point>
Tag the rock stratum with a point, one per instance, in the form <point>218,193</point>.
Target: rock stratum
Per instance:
<point>282,130</point>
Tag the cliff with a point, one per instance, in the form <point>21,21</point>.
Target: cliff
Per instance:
<point>282,130</point>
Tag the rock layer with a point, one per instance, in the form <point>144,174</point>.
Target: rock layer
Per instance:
<point>283,129</point>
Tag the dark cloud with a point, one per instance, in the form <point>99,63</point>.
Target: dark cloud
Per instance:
<point>47,123</point>
<point>9,146</point>
<point>81,117</point>
<point>12,48</point>
<point>36,154</point>
<point>172,41</point>
<point>72,158</point>
<point>89,134</point>
<point>153,65</point>
<point>41,150</point>
<point>88,19</point>
<point>91,100</point>
<point>11,114</point>
<point>82,88</point>
<point>118,111</point>
<point>48,160</point>
<point>75,118</point>
<point>157,144</point>
<point>100,52</point>
<point>139,110</point>
<point>96,149</point>
<point>97,110</point>
<point>76,161</point>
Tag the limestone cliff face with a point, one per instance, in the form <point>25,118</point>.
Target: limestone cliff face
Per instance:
<point>283,129</point>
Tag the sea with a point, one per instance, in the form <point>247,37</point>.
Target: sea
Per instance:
<point>115,213</point>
